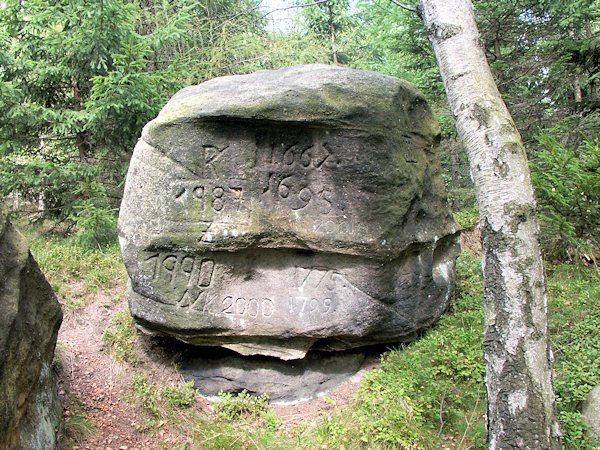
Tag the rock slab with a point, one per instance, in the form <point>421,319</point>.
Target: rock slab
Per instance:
<point>31,314</point>
<point>286,210</point>
<point>283,381</point>
<point>591,412</point>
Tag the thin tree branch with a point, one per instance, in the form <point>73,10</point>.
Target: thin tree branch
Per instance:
<point>403,6</point>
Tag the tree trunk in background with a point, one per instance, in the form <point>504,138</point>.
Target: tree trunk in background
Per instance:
<point>147,7</point>
<point>332,32</point>
<point>520,397</point>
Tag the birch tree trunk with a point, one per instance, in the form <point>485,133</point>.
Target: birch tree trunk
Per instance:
<point>520,396</point>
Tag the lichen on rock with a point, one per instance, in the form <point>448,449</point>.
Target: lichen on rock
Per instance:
<point>29,406</point>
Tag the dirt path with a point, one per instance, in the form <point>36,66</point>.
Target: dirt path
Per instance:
<point>96,387</point>
<point>93,385</point>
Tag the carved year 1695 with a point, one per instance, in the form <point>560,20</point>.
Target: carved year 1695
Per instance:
<point>289,180</point>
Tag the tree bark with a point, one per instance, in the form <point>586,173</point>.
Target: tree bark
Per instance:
<point>520,396</point>
<point>332,34</point>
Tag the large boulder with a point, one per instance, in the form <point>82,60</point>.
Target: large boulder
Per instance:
<point>290,209</point>
<point>31,315</point>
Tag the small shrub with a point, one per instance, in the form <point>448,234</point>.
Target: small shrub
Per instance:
<point>96,221</point>
<point>147,393</point>
<point>568,192</point>
<point>467,218</point>
<point>119,338</point>
<point>231,406</point>
<point>179,396</point>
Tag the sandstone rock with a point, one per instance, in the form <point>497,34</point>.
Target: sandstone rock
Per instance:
<point>282,381</point>
<point>591,412</point>
<point>285,210</point>
<point>29,407</point>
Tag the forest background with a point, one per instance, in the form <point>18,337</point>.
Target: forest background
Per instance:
<point>80,78</point>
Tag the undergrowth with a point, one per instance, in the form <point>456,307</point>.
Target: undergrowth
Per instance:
<point>119,338</point>
<point>574,303</point>
<point>431,391</point>
<point>75,273</point>
<point>76,425</point>
<point>232,406</point>
<point>163,401</point>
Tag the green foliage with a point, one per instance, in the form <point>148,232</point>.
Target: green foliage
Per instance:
<point>331,22</point>
<point>467,218</point>
<point>433,386</point>
<point>76,273</point>
<point>574,291</point>
<point>119,338</point>
<point>568,191</point>
<point>147,394</point>
<point>179,396</point>
<point>393,41</point>
<point>79,92</point>
<point>233,406</point>
<point>95,219</point>
<point>388,413</point>
<point>338,431</point>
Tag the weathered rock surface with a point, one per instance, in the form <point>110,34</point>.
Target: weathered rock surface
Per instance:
<point>285,210</point>
<point>591,412</point>
<point>283,381</point>
<point>29,407</point>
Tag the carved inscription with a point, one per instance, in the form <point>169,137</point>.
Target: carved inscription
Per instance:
<point>301,305</point>
<point>293,174</point>
<point>212,156</point>
<point>252,307</point>
<point>188,282</point>
<point>172,267</point>
<point>240,307</point>
<point>180,279</point>
<point>318,278</point>
<point>296,192</point>
<point>314,155</point>
<point>314,291</point>
<point>206,198</point>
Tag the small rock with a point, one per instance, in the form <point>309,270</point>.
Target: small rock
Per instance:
<point>591,411</point>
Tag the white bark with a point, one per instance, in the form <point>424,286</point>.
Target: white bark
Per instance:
<point>520,412</point>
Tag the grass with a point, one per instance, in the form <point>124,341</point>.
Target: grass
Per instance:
<point>77,274</point>
<point>428,394</point>
<point>119,338</point>
<point>574,303</point>
<point>76,427</point>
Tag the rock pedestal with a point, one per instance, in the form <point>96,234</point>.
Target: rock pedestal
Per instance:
<point>31,315</point>
<point>285,210</point>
